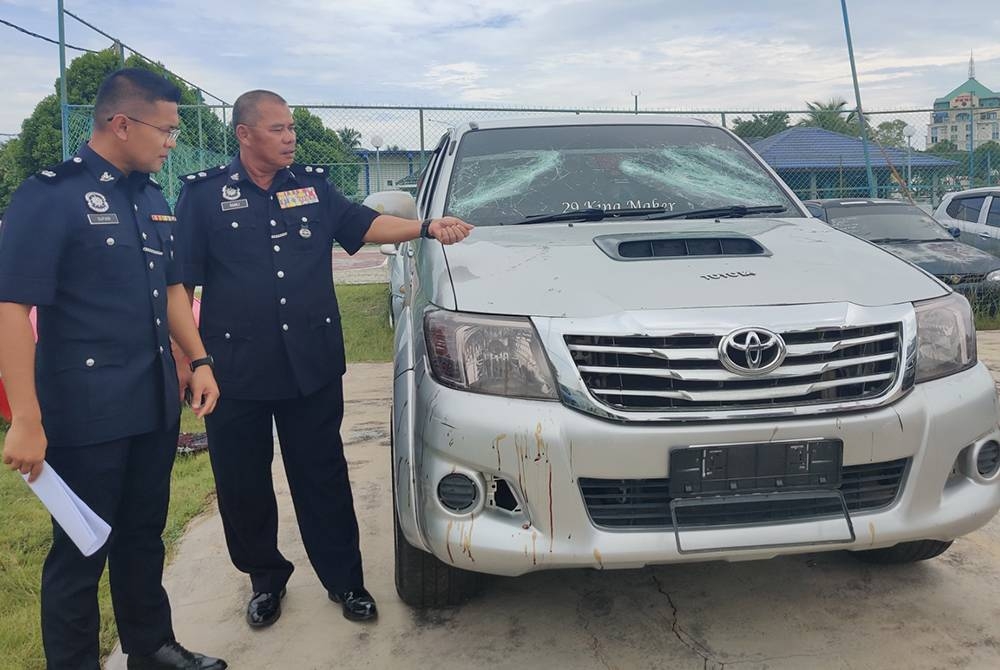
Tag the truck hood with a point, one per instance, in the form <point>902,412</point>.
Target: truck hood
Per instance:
<point>946,257</point>
<point>559,270</point>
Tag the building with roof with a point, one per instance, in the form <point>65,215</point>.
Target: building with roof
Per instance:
<point>968,113</point>
<point>819,163</point>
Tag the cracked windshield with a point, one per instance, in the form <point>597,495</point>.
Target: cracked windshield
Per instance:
<point>506,175</point>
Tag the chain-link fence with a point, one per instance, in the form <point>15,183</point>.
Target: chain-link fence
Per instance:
<point>820,153</point>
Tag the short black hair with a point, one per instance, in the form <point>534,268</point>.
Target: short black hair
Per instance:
<point>245,107</point>
<point>131,84</point>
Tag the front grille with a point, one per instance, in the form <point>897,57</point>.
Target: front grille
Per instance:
<point>955,280</point>
<point>645,503</point>
<point>684,372</point>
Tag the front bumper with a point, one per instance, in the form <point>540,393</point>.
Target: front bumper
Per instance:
<point>541,449</point>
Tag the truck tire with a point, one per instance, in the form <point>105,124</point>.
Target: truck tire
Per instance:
<point>904,552</point>
<point>422,580</point>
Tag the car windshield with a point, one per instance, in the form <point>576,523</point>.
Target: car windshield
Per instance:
<point>510,174</point>
<point>904,223</point>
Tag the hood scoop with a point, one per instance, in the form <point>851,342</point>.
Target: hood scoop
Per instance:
<point>647,246</point>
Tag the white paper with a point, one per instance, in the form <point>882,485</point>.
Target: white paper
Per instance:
<point>88,531</point>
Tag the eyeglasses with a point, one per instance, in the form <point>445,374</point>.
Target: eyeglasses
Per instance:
<point>171,133</point>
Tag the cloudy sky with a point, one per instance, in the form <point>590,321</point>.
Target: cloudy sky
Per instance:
<point>721,54</point>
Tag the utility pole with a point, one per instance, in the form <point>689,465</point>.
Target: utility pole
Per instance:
<point>635,96</point>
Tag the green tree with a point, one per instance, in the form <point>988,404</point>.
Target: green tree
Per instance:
<point>39,144</point>
<point>890,133</point>
<point>832,115</point>
<point>942,147</point>
<point>350,137</point>
<point>761,125</point>
<point>987,162</point>
<point>315,143</point>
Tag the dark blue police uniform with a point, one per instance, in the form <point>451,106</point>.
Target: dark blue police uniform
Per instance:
<point>269,318</point>
<point>94,250</point>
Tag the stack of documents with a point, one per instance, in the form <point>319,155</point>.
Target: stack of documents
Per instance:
<point>88,531</point>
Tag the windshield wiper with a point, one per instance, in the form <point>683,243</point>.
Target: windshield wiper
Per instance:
<point>903,240</point>
<point>729,212</point>
<point>589,214</point>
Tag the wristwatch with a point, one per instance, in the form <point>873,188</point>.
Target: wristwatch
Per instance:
<point>207,360</point>
<point>425,228</point>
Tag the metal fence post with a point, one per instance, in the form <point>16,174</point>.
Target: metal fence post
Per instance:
<point>201,133</point>
<point>225,132</point>
<point>421,116</point>
<point>872,188</point>
<point>63,97</point>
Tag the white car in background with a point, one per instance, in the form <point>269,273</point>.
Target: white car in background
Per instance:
<point>976,212</point>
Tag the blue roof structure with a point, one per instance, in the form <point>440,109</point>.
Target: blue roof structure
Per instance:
<point>815,149</point>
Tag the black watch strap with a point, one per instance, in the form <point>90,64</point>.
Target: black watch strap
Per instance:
<point>198,362</point>
<point>425,228</point>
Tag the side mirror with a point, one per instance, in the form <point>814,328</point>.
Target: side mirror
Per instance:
<point>388,249</point>
<point>395,203</point>
<point>955,231</point>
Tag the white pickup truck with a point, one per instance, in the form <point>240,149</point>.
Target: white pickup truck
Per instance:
<point>648,352</point>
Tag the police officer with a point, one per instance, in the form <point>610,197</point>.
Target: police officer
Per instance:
<point>91,243</point>
<point>257,235</point>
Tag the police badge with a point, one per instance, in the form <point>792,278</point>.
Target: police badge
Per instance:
<point>97,202</point>
<point>231,192</point>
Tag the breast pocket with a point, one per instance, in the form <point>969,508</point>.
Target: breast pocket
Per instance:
<point>234,238</point>
<point>107,257</point>
<point>305,233</point>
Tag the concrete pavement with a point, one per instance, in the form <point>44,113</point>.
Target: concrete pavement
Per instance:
<point>822,610</point>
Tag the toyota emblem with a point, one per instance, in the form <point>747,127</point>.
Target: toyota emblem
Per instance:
<point>752,351</point>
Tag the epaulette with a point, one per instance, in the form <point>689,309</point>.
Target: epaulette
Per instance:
<point>310,169</point>
<point>53,174</point>
<point>203,174</point>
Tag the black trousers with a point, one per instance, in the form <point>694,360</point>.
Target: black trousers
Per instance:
<point>241,445</point>
<point>127,483</point>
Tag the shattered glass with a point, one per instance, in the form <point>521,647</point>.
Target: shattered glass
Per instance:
<point>507,174</point>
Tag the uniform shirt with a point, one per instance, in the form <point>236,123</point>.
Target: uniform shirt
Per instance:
<point>93,249</point>
<point>269,314</point>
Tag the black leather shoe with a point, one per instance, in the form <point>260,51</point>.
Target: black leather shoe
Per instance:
<point>173,656</point>
<point>264,608</point>
<point>359,605</point>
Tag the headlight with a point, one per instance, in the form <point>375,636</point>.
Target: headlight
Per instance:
<point>946,337</point>
<point>488,354</point>
<point>993,276</point>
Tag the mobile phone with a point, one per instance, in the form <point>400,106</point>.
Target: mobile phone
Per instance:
<point>188,396</point>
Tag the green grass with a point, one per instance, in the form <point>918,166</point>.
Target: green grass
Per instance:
<point>364,314</point>
<point>25,530</point>
<point>25,533</point>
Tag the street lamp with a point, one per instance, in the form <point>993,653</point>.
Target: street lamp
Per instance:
<point>909,131</point>
<point>376,141</point>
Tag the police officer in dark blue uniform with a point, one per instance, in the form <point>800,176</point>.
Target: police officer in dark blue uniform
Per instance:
<point>91,243</point>
<point>257,236</point>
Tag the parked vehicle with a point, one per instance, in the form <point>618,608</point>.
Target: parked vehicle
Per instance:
<point>975,212</point>
<point>648,353</point>
<point>907,231</point>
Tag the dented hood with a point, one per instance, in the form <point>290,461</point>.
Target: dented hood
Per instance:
<point>558,270</point>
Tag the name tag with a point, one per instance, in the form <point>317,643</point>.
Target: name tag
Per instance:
<point>297,198</point>
<point>162,217</point>
<point>235,204</point>
<point>102,219</point>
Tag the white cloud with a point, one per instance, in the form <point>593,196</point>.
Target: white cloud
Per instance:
<point>768,54</point>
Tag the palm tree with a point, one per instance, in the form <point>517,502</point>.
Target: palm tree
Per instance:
<point>350,137</point>
<point>832,115</point>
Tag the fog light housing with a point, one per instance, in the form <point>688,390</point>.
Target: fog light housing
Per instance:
<point>457,492</point>
<point>988,459</point>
